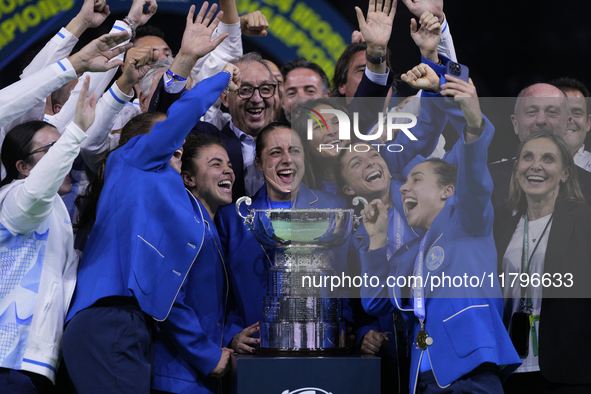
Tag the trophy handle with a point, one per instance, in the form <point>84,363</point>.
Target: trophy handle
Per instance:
<point>247,219</point>
<point>357,219</point>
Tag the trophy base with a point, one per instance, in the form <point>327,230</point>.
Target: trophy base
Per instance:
<point>328,352</point>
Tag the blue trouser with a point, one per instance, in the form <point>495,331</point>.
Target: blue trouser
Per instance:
<point>483,380</point>
<point>108,348</point>
<point>13,381</point>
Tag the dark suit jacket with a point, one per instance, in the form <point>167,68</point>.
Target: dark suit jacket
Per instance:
<point>501,175</point>
<point>565,323</point>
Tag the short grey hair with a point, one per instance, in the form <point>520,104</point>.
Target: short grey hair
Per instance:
<point>148,79</point>
<point>252,57</point>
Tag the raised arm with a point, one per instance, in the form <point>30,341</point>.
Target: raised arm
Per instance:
<point>32,202</point>
<point>474,183</point>
<point>418,7</point>
<point>376,30</point>
<point>154,150</point>
<point>99,81</point>
<point>197,39</point>
<point>93,57</point>
<point>427,36</point>
<point>420,138</point>
<point>137,63</point>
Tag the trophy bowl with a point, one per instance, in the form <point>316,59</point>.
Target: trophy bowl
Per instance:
<point>300,320</point>
<point>303,228</point>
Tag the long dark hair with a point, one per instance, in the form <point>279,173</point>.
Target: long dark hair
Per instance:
<point>193,145</point>
<point>17,145</point>
<point>314,168</point>
<point>87,202</point>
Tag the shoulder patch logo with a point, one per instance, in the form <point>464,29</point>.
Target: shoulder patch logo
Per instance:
<point>434,258</point>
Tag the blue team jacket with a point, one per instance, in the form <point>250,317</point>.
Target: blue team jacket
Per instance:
<point>465,323</point>
<point>149,230</point>
<point>203,301</point>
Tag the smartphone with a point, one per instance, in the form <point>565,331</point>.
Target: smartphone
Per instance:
<point>457,70</point>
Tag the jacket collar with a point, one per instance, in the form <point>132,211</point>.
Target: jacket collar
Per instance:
<point>306,198</point>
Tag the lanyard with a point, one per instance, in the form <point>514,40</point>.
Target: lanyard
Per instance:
<point>526,302</point>
<point>397,235</point>
<point>418,288</point>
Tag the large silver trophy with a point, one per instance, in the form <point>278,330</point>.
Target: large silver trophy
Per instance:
<point>300,317</point>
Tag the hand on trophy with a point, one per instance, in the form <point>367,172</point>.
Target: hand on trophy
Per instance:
<point>243,342</point>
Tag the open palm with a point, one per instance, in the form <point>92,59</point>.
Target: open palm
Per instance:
<point>377,27</point>
<point>197,36</point>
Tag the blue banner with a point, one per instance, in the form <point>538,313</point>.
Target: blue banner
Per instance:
<point>313,29</point>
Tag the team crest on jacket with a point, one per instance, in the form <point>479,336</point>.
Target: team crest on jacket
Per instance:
<point>434,258</point>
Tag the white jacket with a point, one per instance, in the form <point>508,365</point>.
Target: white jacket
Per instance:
<point>38,262</point>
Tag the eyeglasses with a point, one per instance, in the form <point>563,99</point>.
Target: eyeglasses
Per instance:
<point>266,91</point>
<point>42,147</point>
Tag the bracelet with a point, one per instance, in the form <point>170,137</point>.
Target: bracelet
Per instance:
<point>227,89</point>
<point>376,60</point>
<point>171,75</point>
<point>131,26</point>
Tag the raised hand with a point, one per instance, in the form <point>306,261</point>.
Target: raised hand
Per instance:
<point>465,94</point>
<point>85,107</point>
<point>375,220</point>
<point>418,7</point>
<point>138,62</point>
<point>223,365</point>
<point>137,14</point>
<point>254,24</point>
<point>96,55</point>
<point>377,27</point>
<point>92,14</point>
<point>427,37</point>
<point>422,77</point>
<point>197,41</point>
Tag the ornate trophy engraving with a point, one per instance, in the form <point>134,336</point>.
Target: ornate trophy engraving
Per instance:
<point>299,316</point>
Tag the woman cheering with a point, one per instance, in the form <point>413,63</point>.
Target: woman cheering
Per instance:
<point>459,343</point>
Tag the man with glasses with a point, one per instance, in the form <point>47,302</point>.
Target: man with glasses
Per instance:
<point>251,108</point>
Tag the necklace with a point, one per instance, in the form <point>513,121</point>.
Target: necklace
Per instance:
<point>540,232</point>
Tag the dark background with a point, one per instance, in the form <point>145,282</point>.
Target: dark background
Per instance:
<point>506,44</point>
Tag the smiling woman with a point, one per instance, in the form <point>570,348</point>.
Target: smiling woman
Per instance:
<point>37,256</point>
<point>446,322</point>
<point>207,171</point>
<point>149,232</point>
<point>548,234</point>
<point>280,156</point>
